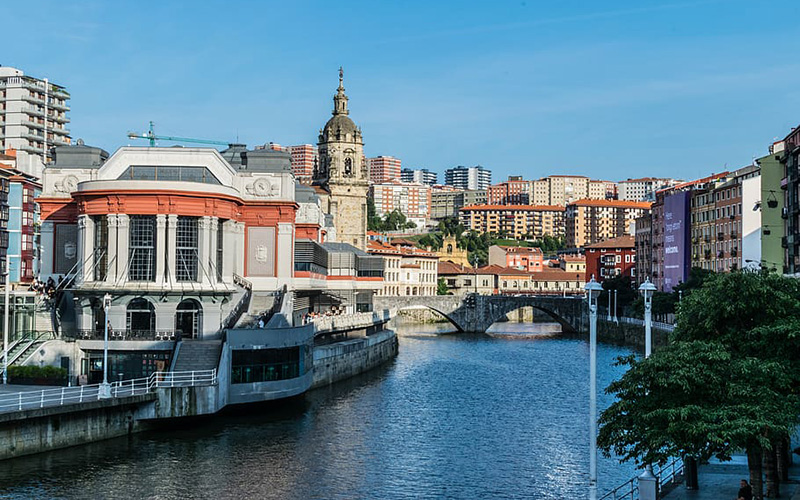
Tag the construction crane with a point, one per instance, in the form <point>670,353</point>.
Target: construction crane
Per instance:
<point>152,137</point>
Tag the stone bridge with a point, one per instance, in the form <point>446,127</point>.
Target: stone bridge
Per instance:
<point>476,313</point>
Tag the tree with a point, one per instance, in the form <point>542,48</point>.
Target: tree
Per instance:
<point>729,378</point>
<point>626,295</point>
<point>441,287</point>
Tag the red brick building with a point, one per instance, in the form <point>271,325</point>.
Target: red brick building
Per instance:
<point>609,258</point>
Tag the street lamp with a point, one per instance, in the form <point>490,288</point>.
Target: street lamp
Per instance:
<point>5,324</point>
<point>646,289</point>
<point>593,290</point>
<point>616,296</point>
<point>105,388</point>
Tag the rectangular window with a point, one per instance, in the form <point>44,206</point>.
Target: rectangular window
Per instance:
<point>142,252</point>
<point>186,249</point>
<point>220,255</point>
<point>267,365</point>
<point>100,247</point>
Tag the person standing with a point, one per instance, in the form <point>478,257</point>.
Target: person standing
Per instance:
<point>745,491</point>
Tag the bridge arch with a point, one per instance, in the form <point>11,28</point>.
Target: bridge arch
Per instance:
<point>450,320</point>
<point>566,326</point>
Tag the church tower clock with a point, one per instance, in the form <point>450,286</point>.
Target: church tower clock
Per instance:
<point>342,174</point>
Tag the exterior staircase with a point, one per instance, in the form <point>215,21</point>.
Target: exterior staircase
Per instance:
<point>26,352</point>
<point>196,355</point>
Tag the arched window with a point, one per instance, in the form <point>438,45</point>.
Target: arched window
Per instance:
<point>189,318</point>
<point>141,316</point>
<point>348,167</point>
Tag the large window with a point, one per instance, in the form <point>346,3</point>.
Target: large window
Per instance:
<point>140,316</point>
<point>169,173</point>
<point>186,249</point>
<point>142,248</point>
<point>264,365</point>
<point>220,255</point>
<point>100,247</point>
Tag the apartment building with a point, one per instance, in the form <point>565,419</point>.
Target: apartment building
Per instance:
<point>564,189</point>
<point>407,271</point>
<point>468,178</point>
<point>515,191</point>
<point>412,199</point>
<point>304,158</point>
<point>33,118</point>
<point>446,201</point>
<point>643,245</point>
<point>22,220</point>
<point>528,259</point>
<point>788,153</point>
<point>515,221</point>
<point>420,175</point>
<point>642,189</point>
<point>612,258</point>
<point>591,221</point>
<point>383,169</point>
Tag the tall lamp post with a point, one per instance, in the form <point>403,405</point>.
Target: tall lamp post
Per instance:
<point>7,274</point>
<point>105,388</point>
<point>593,290</point>
<point>648,483</point>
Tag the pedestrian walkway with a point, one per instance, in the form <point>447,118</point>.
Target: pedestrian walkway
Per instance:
<point>720,481</point>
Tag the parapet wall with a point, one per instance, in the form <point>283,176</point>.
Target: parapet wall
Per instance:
<point>342,360</point>
<point>629,334</point>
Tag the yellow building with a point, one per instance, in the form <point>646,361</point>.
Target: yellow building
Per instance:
<point>451,253</point>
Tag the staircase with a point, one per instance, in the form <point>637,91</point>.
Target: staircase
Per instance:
<point>196,355</point>
<point>26,352</point>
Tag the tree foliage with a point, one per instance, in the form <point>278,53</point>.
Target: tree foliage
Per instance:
<point>391,221</point>
<point>728,379</point>
<point>441,287</point>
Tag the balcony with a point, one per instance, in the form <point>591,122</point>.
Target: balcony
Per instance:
<point>734,235</point>
<point>707,238</point>
<point>720,236</point>
<point>734,252</point>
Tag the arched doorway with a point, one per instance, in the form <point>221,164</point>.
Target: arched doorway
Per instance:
<point>140,317</point>
<point>98,315</point>
<point>189,319</point>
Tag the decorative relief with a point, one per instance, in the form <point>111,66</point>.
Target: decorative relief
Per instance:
<point>68,185</point>
<point>264,188</point>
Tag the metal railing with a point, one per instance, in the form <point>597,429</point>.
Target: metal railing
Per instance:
<point>629,490</point>
<point>656,324</point>
<point>28,400</point>
<point>150,335</point>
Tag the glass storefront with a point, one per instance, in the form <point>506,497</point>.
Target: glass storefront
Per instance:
<point>125,365</point>
<point>266,365</point>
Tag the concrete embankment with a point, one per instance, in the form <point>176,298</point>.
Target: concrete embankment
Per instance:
<point>629,334</point>
<point>335,362</point>
<point>44,429</point>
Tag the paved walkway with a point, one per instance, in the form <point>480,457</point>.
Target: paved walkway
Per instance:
<point>720,481</point>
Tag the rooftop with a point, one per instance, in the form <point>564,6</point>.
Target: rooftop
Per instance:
<point>625,241</point>
<point>521,208</point>
<point>645,205</point>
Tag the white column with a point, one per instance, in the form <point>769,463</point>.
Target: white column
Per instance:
<point>111,275</point>
<point>227,250</point>
<point>212,249</point>
<point>172,224</point>
<point>239,255</point>
<point>284,253</point>
<point>47,252</point>
<point>203,236</point>
<point>123,240</point>
<point>83,249</point>
<point>161,247</point>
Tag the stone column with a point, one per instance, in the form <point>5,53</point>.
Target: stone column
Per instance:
<point>172,224</point>
<point>227,250</point>
<point>161,247</point>
<point>123,245</point>
<point>212,250</point>
<point>203,237</point>
<point>238,256</point>
<point>111,274</point>
<point>84,249</point>
<point>47,245</point>
<point>284,252</point>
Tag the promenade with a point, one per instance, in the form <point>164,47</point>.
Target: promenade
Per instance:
<point>720,481</point>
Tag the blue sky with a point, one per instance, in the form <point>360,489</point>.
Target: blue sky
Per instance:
<point>606,89</point>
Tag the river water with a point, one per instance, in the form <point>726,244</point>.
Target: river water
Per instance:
<point>453,416</point>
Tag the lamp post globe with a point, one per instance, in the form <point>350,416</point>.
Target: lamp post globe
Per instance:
<point>593,289</point>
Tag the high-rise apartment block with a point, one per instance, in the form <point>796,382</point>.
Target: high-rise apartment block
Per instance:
<point>564,189</point>
<point>515,221</point>
<point>383,168</point>
<point>420,175</point>
<point>33,118</point>
<point>304,157</point>
<point>22,222</point>
<point>592,221</point>
<point>412,199</point>
<point>515,191</point>
<point>643,189</point>
<point>447,200</point>
<point>468,178</point>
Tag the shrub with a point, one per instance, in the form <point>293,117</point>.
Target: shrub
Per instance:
<point>49,372</point>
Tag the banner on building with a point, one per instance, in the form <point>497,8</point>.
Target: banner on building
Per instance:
<point>676,239</point>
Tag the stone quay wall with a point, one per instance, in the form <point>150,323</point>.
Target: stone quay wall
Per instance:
<point>51,428</point>
<point>342,360</point>
<point>629,334</point>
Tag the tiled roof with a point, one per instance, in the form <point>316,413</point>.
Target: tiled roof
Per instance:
<point>533,250</point>
<point>540,208</point>
<point>612,203</point>
<point>625,241</point>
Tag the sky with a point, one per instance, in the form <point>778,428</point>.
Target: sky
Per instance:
<point>610,90</point>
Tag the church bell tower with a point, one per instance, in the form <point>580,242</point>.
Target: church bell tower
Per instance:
<point>342,172</point>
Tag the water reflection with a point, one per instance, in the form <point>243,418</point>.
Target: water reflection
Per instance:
<point>454,416</point>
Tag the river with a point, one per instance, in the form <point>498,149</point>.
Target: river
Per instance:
<point>453,416</point>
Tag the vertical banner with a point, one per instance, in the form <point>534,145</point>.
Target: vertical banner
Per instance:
<point>676,237</point>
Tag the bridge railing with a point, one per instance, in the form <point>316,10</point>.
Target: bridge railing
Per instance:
<point>629,490</point>
<point>26,400</point>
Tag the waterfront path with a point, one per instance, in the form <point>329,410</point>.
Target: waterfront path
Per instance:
<point>720,481</point>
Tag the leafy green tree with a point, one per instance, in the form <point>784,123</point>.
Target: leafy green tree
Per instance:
<point>728,380</point>
<point>441,287</point>
<point>626,294</point>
